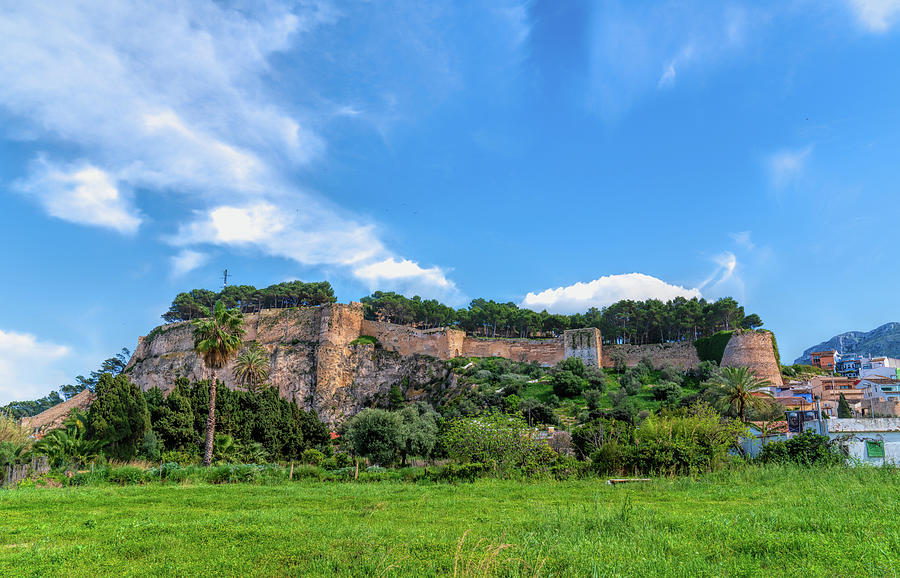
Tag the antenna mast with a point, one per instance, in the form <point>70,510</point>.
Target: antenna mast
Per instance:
<point>225,279</point>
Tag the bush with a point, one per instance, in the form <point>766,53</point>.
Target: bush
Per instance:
<point>467,472</point>
<point>806,449</point>
<point>313,457</point>
<point>178,457</point>
<point>498,439</point>
<point>667,392</point>
<point>126,475</point>
<point>567,384</point>
<point>593,397</point>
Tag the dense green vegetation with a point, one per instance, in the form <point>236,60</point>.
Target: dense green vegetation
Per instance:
<point>192,304</point>
<point>745,522</point>
<point>114,365</point>
<point>640,322</point>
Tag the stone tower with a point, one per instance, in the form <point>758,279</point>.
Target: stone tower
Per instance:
<point>585,345</point>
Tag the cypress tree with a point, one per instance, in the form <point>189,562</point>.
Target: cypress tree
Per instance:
<point>119,416</point>
<point>844,410</point>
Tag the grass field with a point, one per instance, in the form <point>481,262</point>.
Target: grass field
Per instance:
<point>747,522</point>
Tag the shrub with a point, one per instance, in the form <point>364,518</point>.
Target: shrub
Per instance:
<point>689,444</point>
<point>498,439</point>
<point>667,392</point>
<point>178,457</point>
<point>313,457</point>
<point>126,475</point>
<point>807,449</point>
<point>567,384</point>
<point>593,397</point>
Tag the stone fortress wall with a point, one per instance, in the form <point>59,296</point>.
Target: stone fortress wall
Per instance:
<point>753,349</point>
<point>681,355</point>
<point>315,362</point>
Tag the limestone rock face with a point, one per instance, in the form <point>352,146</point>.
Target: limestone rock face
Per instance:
<point>754,350</point>
<point>313,361</point>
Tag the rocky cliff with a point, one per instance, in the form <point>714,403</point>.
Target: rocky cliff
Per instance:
<point>314,360</point>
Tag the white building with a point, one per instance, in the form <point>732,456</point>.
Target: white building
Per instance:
<point>880,367</point>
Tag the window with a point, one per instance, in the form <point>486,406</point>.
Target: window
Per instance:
<point>874,448</point>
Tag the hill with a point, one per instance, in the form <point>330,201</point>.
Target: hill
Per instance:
<point>884,340</point>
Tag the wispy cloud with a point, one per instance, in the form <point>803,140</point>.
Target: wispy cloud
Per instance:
<point>28,366</point>
<point>786,166</point>
<point>743,239</point>
<point>635,48</point>
<point>725,280</point>
<point>175,98</point>
<point>604,291</point>
<point>876,15</point>
<point>186,261</point>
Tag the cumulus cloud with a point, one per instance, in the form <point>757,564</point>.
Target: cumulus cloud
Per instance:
<point>876,15</point>
<point>786,166</point>
<point>82,194</point>
<point>28,366</point>
<point>393,269</point>
<point>186,261</point>
<point>605,291</point>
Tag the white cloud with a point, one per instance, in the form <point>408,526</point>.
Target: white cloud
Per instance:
<point>634,48</point>
<point>177,98</point>
<point>28,367</point>
<point>725,279</point>
<point>876,15</point>
<point>392,269</point>
<point>84,194</point>
<point>311,235</point>
<point>742,238</point>
<point>786,166</point>
<point>186,261</point>
<point>605,291</point>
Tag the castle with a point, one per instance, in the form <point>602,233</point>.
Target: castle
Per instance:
<point>318,360</point>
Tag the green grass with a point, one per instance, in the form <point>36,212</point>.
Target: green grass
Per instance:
<point>747,522</point>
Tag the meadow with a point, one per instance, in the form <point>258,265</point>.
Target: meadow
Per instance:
<point>747,521</point>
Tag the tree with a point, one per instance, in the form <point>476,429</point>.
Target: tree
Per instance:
<point>418,431</point>
<point>176,421</point>
<point>251,368</point>
<point>375,434</point>
<point>738,387</point>
<point>844,410</point>
<point>217,337</point>
<point>118,417</point>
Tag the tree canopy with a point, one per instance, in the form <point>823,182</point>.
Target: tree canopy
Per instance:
<point>191,304</point>
<point>637,322</point>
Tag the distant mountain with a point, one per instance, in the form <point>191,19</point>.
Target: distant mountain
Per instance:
<point>884,340</point>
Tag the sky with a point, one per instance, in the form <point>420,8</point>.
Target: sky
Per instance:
<point>559,155</point>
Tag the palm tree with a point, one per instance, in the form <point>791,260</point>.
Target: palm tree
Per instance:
<point>251,367</point>
<point>217,337</point>
<point>737,386</point>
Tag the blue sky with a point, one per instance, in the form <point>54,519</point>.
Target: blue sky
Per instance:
<point>555,154</point>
